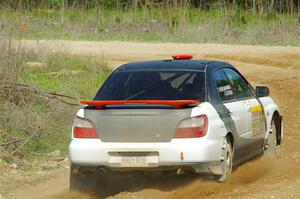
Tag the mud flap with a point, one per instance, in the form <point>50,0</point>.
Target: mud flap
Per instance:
<point>215,169</point>
<point>83,181</point>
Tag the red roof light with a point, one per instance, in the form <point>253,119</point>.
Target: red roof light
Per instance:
<point>182,57</point>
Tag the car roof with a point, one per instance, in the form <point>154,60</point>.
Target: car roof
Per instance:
<point>185,65</point>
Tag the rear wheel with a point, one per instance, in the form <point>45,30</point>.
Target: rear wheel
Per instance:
<point>226,164</point>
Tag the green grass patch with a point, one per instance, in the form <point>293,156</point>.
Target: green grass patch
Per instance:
<point>72,75</point>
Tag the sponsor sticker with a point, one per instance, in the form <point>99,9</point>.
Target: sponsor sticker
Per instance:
<point>224,88</point>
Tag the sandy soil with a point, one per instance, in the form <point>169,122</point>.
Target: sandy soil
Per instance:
<point>276,67</point>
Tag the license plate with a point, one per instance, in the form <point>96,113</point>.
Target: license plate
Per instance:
<point>134,161</point>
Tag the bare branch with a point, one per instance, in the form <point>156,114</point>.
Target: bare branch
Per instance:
<point>12,142</point>
<point>28,88</point>
<point>24,143</point>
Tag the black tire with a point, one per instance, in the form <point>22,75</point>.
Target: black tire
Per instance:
<point>82,181</point>
<point>226,164</point>
<point>273,138</point>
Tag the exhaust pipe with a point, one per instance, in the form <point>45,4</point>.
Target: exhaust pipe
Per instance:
<point>101,170</point>
<point>180,172</point>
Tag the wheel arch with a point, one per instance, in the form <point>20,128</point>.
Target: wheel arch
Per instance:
<point>229,135</point>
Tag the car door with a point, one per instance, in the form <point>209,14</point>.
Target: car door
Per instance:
<point>227,96</point>
<point>254,120</point>
<point>237,110</point>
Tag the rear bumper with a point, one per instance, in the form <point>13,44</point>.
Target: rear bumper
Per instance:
<point>194,153</point>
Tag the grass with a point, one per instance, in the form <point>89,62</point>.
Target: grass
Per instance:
<point>166,24</point>
<point>43,122</point>
<point>72,75</point>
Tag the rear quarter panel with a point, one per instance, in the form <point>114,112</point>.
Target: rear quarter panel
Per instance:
<point>216,127</point>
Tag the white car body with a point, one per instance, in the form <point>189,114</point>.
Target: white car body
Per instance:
<point>178,152</point>
<point>245,123</point>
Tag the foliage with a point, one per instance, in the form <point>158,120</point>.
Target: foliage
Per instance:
<point>257,6</point>
<point>161,24</point>
<point>39,96</point>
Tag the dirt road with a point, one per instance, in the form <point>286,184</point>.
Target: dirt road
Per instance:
<point>276,67</point>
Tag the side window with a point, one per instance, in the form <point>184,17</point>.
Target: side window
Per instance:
<point>241,87</point>
<point>223,86</point>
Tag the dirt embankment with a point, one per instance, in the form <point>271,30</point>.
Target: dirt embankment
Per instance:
<point>276,67</point>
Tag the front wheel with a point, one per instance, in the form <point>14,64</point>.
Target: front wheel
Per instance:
<point>272,138</point>
<point>226,164</point>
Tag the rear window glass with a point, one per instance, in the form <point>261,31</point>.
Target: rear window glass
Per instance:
<point>153,85</point>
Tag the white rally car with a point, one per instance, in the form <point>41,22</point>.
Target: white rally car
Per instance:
<point>178,114</point>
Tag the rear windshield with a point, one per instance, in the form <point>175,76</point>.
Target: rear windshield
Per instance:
<point>153,85</point>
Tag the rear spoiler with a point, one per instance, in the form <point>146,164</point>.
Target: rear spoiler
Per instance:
<point>177,104</point>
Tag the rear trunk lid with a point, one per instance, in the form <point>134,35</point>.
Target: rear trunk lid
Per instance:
<point>136,125</point>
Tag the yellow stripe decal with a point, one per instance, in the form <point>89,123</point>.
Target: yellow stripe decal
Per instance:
<point>256,109</point>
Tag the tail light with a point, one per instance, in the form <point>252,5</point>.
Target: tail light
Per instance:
<point>84,128</point>
<point>192,127</point>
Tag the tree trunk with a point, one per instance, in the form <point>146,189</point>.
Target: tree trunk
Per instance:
<point>42,4</point>
<point>97,16</point>
<point>254,7</point>
<point>292,6</point>
<point>271,6</point>
<point>17,5</point>
<point>62,10</point>
<point>246,4</point>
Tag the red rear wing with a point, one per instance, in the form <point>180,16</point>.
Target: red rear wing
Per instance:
<point>100,104</point>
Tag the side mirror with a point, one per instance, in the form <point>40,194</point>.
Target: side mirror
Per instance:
<point>262,91</point>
